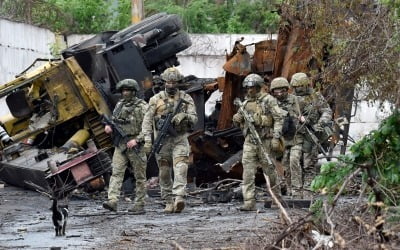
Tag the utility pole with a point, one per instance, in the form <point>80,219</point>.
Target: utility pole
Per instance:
<point>137,11</point>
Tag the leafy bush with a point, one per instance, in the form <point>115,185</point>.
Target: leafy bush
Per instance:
<point>378,157</point>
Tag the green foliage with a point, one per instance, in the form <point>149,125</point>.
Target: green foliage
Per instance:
<point>317,209</point>
<point>63,16</point>
<point>89,16</point>
<point>122,14</point>
<point>94,16</point>
<point>378,156</point>
<point>364,42</point>
<point>331,176</point>
<point>205,16</point>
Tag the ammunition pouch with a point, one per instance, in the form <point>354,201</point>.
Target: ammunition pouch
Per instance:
<point>307,146</point>
<point>131,128</point>
<point>278,151</point>
<point>120,121</point>
<point>324,135</point>
<point>326,132</point>
<point>160,123</point>
<point>182,127</point>
<point>267,121</point>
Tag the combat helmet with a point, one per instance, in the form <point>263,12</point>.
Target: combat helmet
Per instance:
<point>171,74</point>
<point>252,80</point>
<point>279,82</point>
<point>128,84</point>
<point>299,79</point>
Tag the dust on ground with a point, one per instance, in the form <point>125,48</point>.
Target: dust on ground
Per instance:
<point>25,223</point>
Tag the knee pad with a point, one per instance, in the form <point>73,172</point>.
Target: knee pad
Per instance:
<point>163,163</point>
<point>181,159</point>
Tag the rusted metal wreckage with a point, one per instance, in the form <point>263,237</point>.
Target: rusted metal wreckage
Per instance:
<point>60,104</point>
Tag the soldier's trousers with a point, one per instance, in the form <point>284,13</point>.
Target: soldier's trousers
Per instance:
<point>310,166</point>
<point>119,163</point>
<point>174,155</point>
<point>251,160</point>
<point>293,171</point>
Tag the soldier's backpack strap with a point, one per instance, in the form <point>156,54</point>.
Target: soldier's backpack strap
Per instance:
<point>244,103</point>
<point>117,110</point>
<point>296,101</point>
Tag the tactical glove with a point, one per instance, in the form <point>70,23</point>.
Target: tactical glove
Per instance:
<point>318,127</point>
<point>237,118</point>
<point>147,147</point>
<point>178,118</point>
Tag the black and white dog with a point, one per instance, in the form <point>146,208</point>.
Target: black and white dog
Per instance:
<point>60,216</point>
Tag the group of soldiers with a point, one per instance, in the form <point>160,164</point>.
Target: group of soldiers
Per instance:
<point>140,121</point>
<point>278,120</point>
<point>281,120</point>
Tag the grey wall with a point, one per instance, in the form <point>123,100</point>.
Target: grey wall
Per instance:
<point>20,45</point>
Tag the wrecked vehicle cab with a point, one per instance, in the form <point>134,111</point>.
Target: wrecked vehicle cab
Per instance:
<point>53,111</point>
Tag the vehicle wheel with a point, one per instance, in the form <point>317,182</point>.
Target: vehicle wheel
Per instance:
<point>166,49</point>
<point>167,23</point>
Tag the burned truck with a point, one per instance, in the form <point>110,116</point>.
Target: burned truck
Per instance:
<point>53,135</point>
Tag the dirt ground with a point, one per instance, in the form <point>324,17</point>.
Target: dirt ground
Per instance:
<point>25,223</point>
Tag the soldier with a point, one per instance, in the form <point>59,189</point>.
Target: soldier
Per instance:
<point>267,118</point>
<point>316,113</point>
<point>175,150</point>
<point>128,115</point>
<point>293,138</point>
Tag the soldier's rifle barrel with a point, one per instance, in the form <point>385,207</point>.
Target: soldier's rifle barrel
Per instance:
<point>119,134</point>
<point>315,139</point>
<point>253,132</point>
<point>162,134</point>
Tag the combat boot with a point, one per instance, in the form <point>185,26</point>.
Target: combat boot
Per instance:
<point>110,205</point>
<point>169,207</point>
<point>179,204</point>
<point>248,206</point>
<point>137,209</point>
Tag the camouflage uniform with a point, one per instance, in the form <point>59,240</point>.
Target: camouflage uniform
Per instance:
<point>268,123</point>
<point>128,115</point>
<point>316,112</point>
<point>176,149</point>
<point>293,144</point>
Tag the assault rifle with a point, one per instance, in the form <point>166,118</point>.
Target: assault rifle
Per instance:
<point>314,138</point>
<point>164,129</point>
<point>254,136</point>
<point>118,136</point>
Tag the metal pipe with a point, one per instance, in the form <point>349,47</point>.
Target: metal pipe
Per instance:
<point>76,140</point>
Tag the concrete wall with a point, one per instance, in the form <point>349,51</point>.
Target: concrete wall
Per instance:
<point>21,44</point>
<point>207,54</point>
<point>366,118</point>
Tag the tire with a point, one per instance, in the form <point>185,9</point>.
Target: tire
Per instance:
<point>166,49</point>
<point>168,24</point>
<point>102,38</point>
<point>136,27</point>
